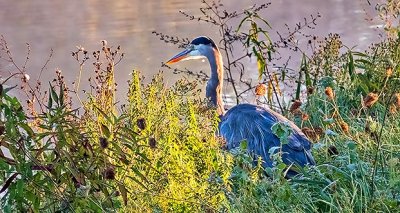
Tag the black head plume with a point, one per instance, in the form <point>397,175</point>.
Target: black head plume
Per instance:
<point>203,40</point>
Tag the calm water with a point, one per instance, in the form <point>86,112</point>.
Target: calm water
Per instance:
<point>63,25</point>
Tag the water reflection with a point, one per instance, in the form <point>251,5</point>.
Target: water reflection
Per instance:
<point>62,25</point>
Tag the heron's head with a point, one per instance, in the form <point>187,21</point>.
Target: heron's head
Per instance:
<point>200,47</point>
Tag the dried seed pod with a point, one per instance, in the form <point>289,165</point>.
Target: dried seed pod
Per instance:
<point>332,151</point>
<point>295,106</point>
<point>392,109</point>
<point>26,78</point>
<point>389,72</point>
<point>333,187</point>
<point>261,89</point>
<point>397,99</point>
<point>152,142</point>
<point>314,133</point>
<point>2,129</point>
<point>109,173</point>
<point>369,127</point>
<point>329,93</point>
<point>344,126</point>
<point>371,99</point>
<point>141,123</point>
<point>48,168</point>
<point>297,112</point>
<point>310,133</point>
<point>103,142</point>
<point>310,90</point>
<point>305,117</point>
<point>319,131</point>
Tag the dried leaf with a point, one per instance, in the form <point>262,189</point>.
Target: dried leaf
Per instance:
<point>8,182</point>
<point>261,89</point>
<point>329,93</point>
<point>371,99</point>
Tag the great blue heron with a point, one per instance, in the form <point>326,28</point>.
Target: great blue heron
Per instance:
<point>246,122</point>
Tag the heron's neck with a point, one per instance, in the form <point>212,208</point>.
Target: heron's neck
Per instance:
<point>214,85</point>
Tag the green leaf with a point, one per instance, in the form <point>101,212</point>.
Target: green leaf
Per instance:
<point>143,156</point>
<point>351,66</point>
<point>27,128</point>
<point>53,93</point>
<point>260,63</point>
<point>298,89</point>
<point>61,95</point>
<point>362,63</point>
<point>351,145</point>
<point>281,166</point>
<point>5,90</point>
<point>306,71</point>
<point>331,132</point>
<point>124,193</point>
<point>137,181</point>
<point>31,197</point>
<point>243,145</point>
<point>105,131</point>
<point>20,187</point>
<point>50,101</point>
<point>392,162</point>
<point>328,121</point>
<point>104,115</point>
<point>352,167</point>
<point>263,20</point>
<point>118,149</point>
<point>269,55</point>
<point>241,23</point>
<point>276,129</point>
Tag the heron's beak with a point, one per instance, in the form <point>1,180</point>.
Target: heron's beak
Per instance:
<point>180,56</point>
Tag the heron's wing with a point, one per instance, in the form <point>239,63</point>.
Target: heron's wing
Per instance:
<point>253,124</point>
<point>299,147</point>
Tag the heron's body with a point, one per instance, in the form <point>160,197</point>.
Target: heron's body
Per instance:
<point>246,122</point>
<point>251,123</point>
